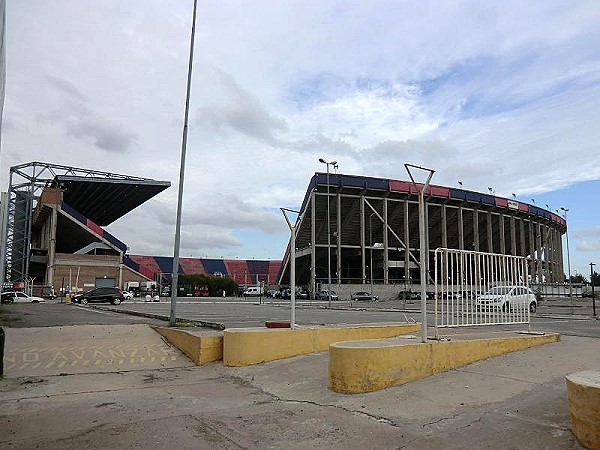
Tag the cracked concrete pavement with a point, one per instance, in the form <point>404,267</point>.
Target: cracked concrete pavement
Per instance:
<point>515,401</point>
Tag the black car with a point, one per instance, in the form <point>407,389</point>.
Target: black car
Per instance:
<point>101,294</point>
<point>364,296</point>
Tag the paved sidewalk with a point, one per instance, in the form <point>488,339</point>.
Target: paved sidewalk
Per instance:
<point>86,349</point>
<point>514,401</point>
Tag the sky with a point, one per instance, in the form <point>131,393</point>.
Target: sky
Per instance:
<point>494,94</point>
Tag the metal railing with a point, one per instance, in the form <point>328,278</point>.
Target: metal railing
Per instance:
<point>476,288</point>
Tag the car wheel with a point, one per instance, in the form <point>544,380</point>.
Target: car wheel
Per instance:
<point>532,307</point>
<point>116,301</point>
<point>83,301</point>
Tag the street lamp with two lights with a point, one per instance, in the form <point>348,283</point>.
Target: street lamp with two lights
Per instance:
<point>335,166</point>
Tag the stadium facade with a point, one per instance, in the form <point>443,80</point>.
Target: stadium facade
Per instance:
<point>375,232</point>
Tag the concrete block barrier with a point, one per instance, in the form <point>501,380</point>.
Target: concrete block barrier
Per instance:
<point>201,347</point>
<point>583,389</point>
<point>365,366</point>
<point>248,346</point>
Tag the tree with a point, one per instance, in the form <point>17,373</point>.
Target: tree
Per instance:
<point>578,279</point>
<point>213,284</point>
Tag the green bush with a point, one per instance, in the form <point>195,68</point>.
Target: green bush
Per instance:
<point>188,284</point>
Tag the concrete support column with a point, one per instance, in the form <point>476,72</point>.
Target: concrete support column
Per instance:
<point>513,237</point>
<point>558,268</point>
<point>475,229</point>
<point>522,237</point>
<point>313,243</point>
<point>339,238</point>
<point>561,259</point>
<point>444,228</point>
<point>461,230</point>
<point>52,246</point>
<point>502,237</point>
<point>554,253</point>
<point>533,260</point>
<point>540,259</point>
<point>120,284</point>
<point>489,233</point>
<point>362,237</point>
<point>407,243</point>
<point>385,242</point>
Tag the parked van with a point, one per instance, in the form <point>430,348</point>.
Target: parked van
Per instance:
<point>253,291</point>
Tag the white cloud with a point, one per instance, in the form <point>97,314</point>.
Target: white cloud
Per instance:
<point>588,246</point>
<point>494,94</point>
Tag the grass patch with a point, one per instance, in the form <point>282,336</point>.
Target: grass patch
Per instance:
<point>185,324</point>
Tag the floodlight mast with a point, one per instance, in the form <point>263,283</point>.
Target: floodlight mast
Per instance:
<point>174,279</point>
<point>422,243</point>
<point>335,166</point>
<point>293,231</point>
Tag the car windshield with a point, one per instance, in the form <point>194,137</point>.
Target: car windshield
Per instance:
<point>499,290</point>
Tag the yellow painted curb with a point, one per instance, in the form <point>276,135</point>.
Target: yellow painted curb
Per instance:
<point>200,348</point>
<point>584,407</point>
<point>248,346</point>
<point>363,366</point>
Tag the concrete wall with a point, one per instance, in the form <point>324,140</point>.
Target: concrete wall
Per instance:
<point>366,366</point>
<point>90,267</point>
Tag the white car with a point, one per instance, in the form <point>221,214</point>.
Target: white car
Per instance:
<point>325,294</point>
<point>506,298</point>
<point>20,297</point>
<point>128,295</point>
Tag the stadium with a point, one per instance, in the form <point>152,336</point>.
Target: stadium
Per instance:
<point>54,233</point>
<point>374,232</point>
<point>54,218</point>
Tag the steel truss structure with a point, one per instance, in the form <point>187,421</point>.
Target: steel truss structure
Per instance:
<point>25,186</point>
<point>375,231</point>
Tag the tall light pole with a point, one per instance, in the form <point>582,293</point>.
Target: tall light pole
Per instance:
<point>569,261</point>
<point>335,165</point>
<point>174,278</point>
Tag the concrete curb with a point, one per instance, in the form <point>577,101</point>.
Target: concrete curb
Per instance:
<point>249,346</point>
<point>200,323</point>
<point>366,366</point>
<point>200,348</point>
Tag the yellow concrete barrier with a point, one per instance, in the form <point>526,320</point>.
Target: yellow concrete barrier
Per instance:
<point>248,346</point>
<point>366,366</point>
<point>584,407</point>
<point>200,347</point>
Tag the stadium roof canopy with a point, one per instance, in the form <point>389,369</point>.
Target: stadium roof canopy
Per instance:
<point>100,196</point>
<point>103,199</point>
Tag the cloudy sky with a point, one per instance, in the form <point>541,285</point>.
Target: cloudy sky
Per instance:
<point>495,94</point>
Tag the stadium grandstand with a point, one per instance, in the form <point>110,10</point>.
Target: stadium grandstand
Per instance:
<point>54,234</point>
<point>374,231</point>
<point>243,272</point>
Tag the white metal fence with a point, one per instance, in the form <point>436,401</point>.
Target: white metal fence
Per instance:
<point>475,288</point>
